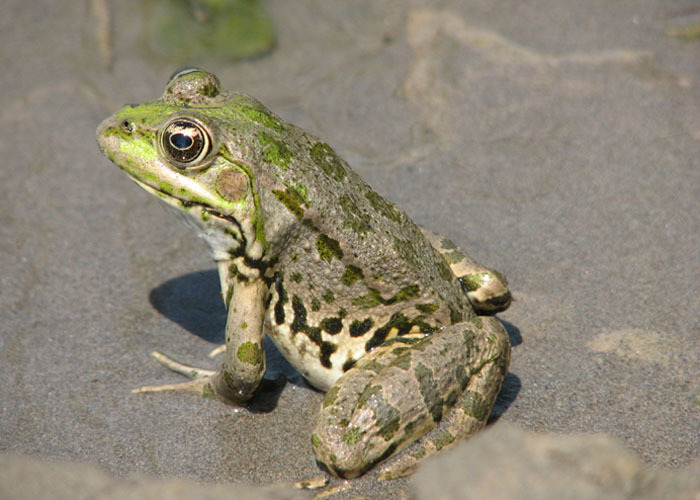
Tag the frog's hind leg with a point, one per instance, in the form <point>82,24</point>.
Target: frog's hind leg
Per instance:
<point>473,407</point>
<point>487,289</point>
<point>400,390</point>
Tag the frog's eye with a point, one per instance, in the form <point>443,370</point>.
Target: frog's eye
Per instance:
<point>185,142</point>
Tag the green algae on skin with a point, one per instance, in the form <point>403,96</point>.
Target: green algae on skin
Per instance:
<point>354,218</point>
<point>292,200</point>
<point>328,161</point>
<point>328,248</point>
<point>250,353</point>
<point>261,116</point>
<point>274,151</point>
<point>353,436</point>
<point>332,393</point>
<point>139,148</point>
<point>351,275</point>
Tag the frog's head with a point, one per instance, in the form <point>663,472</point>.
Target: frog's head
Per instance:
<point>190,149</point>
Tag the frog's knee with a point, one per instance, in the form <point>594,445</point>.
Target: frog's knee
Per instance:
<point>359,426</point>
<point>343,454</point>
<point>487,291</point>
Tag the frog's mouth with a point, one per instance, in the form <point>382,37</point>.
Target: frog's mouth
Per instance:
<point>168,198</point>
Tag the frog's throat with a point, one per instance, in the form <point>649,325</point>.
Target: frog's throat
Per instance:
<point>225,238</point>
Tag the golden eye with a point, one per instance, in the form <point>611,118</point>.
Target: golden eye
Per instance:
<point>185,142</point>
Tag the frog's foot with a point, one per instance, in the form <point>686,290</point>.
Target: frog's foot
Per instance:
<point>315,483</point>
<point>218,350</point>
<point>200,383</point>
<point>486,289</point>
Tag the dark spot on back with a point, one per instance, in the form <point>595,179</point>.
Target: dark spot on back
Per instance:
<point>332,325</point>
<point>359,328</point>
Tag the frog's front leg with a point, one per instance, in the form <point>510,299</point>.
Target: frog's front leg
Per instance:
<point>244,360</point>
<point>402,389</point>
<point>244,364</point>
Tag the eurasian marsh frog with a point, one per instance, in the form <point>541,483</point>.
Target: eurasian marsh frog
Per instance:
<point>393,322</point>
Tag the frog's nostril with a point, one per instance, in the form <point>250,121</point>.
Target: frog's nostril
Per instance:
<point>127,126</point>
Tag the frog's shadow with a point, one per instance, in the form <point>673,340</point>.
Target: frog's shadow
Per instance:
<point>193,301</point>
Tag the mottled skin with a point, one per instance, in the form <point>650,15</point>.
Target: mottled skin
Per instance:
<point>366,305</point>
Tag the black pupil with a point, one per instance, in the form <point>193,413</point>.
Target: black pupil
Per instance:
<point>181,141</point>
<point>185,141</point>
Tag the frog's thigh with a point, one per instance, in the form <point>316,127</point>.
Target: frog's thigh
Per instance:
<point>399,392</point>
<point>491,359</point>
<point>487,289</point>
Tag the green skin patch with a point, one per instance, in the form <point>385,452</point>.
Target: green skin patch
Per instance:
<point>328,161</point>
<point>453,257</point>
<point>443,439</point>
<point>353,218</point>
<point>472,282</point>
<point>249,352</point>
<point>372,365</point>
<point>368,394</point>
<point>403,361</point>
<point>474,405</point>
<point>332,393</point>
<point>388,419</point>
<point>353,436</point>
<point>274,151</point>
<point>292,200</point>
<point>384,207</point>
<point>142,148</point>
<point>432,399</point>
<point>261,116</point>
<point>427,308</point>
<point>208,391</point>
<point>328,248</point>
<point>351,275</point>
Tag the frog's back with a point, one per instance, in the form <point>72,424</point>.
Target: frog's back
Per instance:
<point>352,270</point>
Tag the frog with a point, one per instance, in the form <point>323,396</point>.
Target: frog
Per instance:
<point>394,323</point>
